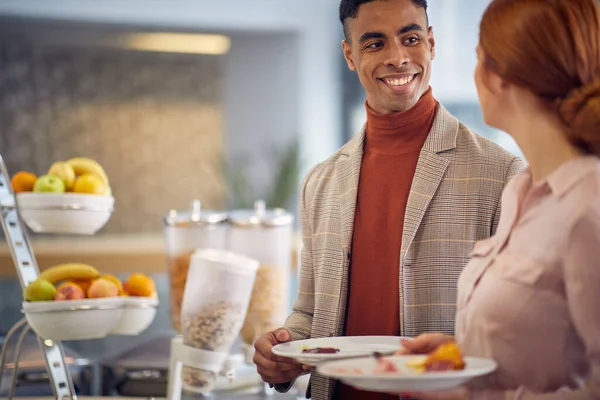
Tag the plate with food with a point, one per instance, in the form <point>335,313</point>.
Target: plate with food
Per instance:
<point>444,368</point>
<point>313,351</point>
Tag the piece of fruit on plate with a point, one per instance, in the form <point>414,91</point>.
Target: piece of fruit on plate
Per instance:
<point>386,366</point>
<point>447,357</point>
<point>319,350</point>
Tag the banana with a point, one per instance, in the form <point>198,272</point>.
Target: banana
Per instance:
<point>84,165</point>
<point>75,271</point>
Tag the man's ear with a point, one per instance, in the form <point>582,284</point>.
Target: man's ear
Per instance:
<point>431,41</point>
<point>347,50</point>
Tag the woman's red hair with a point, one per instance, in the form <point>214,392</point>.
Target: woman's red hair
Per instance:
<point>551,48</point>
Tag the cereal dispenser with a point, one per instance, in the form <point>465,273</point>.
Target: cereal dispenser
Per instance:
<point>265,235</point>
<point>214,307</point>
<point>185,232</point>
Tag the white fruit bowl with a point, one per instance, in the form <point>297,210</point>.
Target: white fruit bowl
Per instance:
<point>138,314</point>
<point>74,319</point>
<point>65,213</point>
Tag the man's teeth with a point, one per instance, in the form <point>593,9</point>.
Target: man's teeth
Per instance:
<point>399,82</point>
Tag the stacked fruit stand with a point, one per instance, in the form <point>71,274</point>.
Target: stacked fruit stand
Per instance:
<point>71,301</point>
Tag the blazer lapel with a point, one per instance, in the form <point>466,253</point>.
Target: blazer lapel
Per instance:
<point>347,175</point>
<point>430,171</point>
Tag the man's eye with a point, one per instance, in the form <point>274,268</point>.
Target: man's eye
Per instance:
<point>411,41</point>
<point>375,45</point>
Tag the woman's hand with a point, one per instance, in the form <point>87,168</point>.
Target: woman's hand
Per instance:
<point>424,344</point>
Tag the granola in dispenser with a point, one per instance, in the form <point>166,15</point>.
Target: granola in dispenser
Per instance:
<point>214,327</point>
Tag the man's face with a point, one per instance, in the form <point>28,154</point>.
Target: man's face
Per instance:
<point>391,47</point>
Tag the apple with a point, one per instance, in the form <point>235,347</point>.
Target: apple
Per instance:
<point>40,290</point>
<point>49,183</point>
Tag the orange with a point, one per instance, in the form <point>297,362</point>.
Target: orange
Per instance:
<point>23,181</point>
<point>140,285</point>
<point>89,183</point>
<point>116,281</point>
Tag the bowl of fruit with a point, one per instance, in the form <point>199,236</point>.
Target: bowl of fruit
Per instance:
<point>75,302</point>
<point>73,197</point>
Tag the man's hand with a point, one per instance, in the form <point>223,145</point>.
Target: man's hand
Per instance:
<point>271,368</point>
<point>424,344</point>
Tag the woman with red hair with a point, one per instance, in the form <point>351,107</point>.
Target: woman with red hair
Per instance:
<point>530,296</point>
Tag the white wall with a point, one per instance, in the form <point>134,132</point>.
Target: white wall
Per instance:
<point>456,30</point>
<point>260,100</point>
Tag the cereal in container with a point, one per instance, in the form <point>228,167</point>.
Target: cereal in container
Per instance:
<point>185,232</point>
<point>265,235</point>
<point>214,307</point>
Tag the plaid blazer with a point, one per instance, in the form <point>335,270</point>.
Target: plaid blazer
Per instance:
<point>454,201</point>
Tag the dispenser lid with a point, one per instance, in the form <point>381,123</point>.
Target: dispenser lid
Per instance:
<point>225,260</point>
<point>194,217</point>
<point>260,217</point>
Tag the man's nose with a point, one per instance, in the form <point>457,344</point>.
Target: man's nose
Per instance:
<point>397,55</point>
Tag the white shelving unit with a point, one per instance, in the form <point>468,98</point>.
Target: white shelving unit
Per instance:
<point>27,270</point>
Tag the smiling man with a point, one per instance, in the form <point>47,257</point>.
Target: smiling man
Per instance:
<point>388,221</point>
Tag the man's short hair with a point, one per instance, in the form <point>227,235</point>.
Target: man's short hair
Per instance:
<point>349,9</point>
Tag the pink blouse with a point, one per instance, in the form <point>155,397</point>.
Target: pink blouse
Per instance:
<point>530,296</point>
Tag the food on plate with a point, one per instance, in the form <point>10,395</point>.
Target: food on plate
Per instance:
<point>69,291</point>
<point>320,350</point>
<point>385,366</point>
<point>75,281</point>
<point>345,371</point>
<point>64,171</point>
<point>39,290</point>
<point>49,183</point>
<point>23,181</point>
<point>446,357</point>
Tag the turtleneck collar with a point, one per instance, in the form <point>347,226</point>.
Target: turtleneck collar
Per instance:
<point>401,132</point>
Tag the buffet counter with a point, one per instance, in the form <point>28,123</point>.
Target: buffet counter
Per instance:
<point>122,253</point>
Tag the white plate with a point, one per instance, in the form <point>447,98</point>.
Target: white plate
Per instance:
<point>407,380</point>
<point>348,346</point>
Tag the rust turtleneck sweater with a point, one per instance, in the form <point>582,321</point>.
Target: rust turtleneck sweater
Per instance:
<point>392,146</point>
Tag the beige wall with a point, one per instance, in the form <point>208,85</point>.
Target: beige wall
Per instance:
<point>154,121</point>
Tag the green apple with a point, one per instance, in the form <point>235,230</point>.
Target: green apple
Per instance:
<point>49,183</point>
<point>40,290</point>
